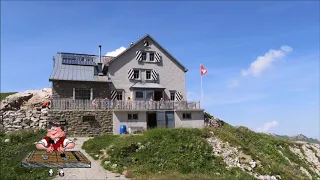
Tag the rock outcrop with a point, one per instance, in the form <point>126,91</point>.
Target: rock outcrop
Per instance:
<point>213,122</point>
<point>23,110</point>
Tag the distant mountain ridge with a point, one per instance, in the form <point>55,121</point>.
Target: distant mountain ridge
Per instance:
<point>298,137</point>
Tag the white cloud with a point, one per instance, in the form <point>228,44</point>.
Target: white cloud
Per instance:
<point>116,52</point>
<point>264,62</point>
<point>267,126</point>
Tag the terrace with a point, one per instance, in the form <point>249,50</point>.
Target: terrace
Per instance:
<point>101,104</point>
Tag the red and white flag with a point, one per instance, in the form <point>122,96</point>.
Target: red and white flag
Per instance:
<point>203,70</point>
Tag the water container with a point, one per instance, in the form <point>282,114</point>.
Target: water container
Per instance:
<point>123,129</point>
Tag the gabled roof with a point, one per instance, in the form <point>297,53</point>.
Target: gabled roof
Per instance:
<point>134,44</point>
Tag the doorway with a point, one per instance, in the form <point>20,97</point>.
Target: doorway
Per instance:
<point>151,120</point>
<point>158,95</point>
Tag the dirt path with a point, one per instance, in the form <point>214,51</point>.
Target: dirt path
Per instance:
<point>95,172</point>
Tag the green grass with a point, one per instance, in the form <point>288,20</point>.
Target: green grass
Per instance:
<point>21,143</point>
<point>4,95</point>
<point>183,153</point>
<point>163,154</point>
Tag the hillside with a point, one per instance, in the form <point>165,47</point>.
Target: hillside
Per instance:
<point>299,137</point>
<point>223,153</point>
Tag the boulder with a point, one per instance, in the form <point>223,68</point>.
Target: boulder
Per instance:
<point>16,100</point>
<point>39,96</point>
<point>213,122</point>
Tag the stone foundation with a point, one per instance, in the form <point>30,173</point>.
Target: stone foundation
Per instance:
<point>102,123</point>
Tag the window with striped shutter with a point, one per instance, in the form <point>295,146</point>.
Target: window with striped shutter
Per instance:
<point>130,74</point>
<point>154,75</point>
<point>179,96</point>
<point>157,57</point>
<point>113,95</point>
<point>138,55</point>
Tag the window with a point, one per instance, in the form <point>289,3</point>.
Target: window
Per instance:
<point>148,75</point>
<point>172,96</point>
<point>186,115</point>
<point>151,58</point>
<point>144,56</point>
<point>136,74</point>
<point>82,93</point>
<point>146,43</point>
<point>88,118</point>
<point>133,116</point>
<point>119,95</point>
<point>139,94</point>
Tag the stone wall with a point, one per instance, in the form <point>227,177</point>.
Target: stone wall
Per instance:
<point>64,89</point>
<point>24,118</point>
<point>101,125</point>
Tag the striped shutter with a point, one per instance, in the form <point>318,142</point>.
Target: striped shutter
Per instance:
<point>113,94</point>
<point>139,55</point>
<point>130,74</point>
<point>154,75</point>
<point>179,96</point>
<point>157,57</point>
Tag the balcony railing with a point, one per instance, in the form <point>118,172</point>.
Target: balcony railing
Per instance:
<point>101,104</point>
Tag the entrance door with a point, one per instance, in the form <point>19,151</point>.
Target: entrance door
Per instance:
<point>158,95</point>
<point>152,120</point>
<point>149,94</point>
<point>170,119</point>
<point>161,119</point>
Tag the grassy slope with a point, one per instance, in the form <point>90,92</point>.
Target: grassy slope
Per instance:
<point>265,148</point>
<point>4,95</point>
<point>164,154</point>
<point>13,153</point>
<point>184,154</point>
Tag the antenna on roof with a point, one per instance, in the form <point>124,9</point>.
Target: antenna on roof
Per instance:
<point>100,53</point>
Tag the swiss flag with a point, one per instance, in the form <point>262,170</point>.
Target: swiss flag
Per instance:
<point>203,70</point>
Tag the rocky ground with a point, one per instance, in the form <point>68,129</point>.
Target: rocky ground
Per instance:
<point>236,158</point>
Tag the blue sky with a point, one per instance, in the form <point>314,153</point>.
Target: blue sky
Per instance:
<point>262,57</point>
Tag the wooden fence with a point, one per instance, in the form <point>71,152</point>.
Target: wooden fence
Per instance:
<point>66,104</point>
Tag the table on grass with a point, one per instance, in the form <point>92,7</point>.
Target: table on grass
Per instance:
<point>54,160</point>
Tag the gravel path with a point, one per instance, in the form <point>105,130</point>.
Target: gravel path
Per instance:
<point>95,172</point>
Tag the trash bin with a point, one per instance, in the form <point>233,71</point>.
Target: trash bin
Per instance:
<point>123,129</point>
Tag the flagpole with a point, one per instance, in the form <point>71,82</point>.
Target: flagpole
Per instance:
<point>201,87</point>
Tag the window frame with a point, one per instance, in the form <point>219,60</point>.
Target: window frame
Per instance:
<point>135,95</point>
<point>174,95</point>
<point>142,55</point>
<point>185,116</point>
<point>119,94</point>
<point>81,95</point>
<point>153,60</point>
<point>139,74</point>
<point>132,116</point>
<point>147,75</point>
<point>88,118</point>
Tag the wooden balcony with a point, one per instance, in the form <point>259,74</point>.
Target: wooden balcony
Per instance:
<point>101,104</point>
